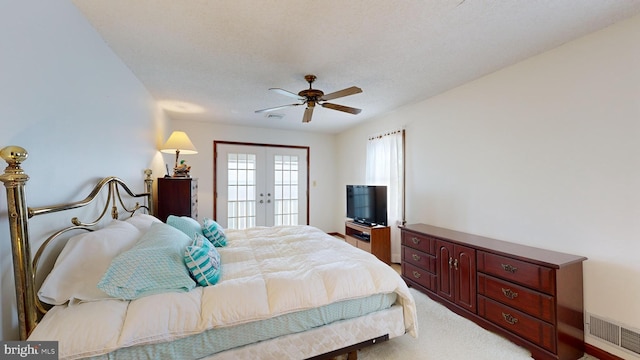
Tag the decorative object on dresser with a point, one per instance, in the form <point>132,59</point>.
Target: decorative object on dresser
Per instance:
<point>178,143</point>
<point>373,239</point>
<point>177,196</point>
<point>531,296</point>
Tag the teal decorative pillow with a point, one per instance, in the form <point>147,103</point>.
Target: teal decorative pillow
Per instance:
<point>203,261</point>
<point>214,232</point>
<point>155,264</point>
<point>187,225</point>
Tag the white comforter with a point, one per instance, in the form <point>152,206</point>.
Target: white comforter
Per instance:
<point>266,272</point>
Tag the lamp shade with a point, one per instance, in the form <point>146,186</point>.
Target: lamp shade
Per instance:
<point>179,141</point>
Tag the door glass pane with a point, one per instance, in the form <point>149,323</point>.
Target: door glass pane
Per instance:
<point>241,190</point>
<point>261,186</point>
<point>286,189</point>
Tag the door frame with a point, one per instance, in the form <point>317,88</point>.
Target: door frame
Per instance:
<point>215,168</point>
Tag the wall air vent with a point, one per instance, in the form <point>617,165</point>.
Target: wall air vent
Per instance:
<point>604,330</point>
<point>630,340</point>
<point>614,333</point>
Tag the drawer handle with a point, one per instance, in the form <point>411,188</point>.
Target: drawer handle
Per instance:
<point>415,240</point>
<point>416,257</point>
<point>416,274</point>
<point>509,293</point>
<point>509,318</point>
<point>509,268</point>
<point>450,262</point>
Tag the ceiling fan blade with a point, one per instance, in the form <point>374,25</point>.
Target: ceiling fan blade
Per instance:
<point>275,108</point>
<point>346,109</point>
<point>287,93</point>
<point>307,114</point>
<point>341,93</point>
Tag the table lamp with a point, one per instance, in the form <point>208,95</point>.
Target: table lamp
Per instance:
<point>179,142</point>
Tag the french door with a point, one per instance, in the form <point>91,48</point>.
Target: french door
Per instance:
<point>260,185</point>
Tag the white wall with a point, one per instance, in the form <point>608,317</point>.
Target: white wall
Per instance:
<point>543,153</point>
<point>322,159</point>
<point>76,108</point>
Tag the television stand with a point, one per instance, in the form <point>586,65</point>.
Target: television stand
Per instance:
<point>373,239</point>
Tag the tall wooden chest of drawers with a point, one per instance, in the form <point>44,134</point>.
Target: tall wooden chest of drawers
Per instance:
<point>177,196</point>
<point>531,296</point>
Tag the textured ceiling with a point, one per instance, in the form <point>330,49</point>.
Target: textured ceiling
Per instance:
<point>223,55</point>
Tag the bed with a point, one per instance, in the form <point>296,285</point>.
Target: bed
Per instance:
<point>285,292</point>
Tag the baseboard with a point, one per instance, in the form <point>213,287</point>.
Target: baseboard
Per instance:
<point>599,353</point>
<point>336,234</point>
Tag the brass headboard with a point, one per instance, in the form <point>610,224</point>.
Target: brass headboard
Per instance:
<point>24,267</point>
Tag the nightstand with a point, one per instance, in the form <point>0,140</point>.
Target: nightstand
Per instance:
<point>177,196</point>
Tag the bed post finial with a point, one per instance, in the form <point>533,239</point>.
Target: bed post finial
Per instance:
<point>148,187</point>
<point>14,156</point>
<point>14,180</point>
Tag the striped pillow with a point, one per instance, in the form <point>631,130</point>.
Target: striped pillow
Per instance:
<point>203,261</point>
<point>214,232</point>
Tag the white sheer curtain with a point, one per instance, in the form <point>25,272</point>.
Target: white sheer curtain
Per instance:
<point>385,163</point>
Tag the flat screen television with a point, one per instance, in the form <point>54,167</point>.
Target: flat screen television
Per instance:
<point>367,204</point>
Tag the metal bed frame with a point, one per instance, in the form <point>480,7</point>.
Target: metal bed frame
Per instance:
<point>29,307</point>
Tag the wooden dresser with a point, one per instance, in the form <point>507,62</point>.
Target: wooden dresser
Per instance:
<point>531,296</point>
<point>177,196</point>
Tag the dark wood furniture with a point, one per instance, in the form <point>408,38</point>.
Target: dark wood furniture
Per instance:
<point>531,296</point>
<point>177,196</point>
<point>373,239</point>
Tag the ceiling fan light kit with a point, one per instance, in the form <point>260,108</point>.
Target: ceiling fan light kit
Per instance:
<point>311,97</point>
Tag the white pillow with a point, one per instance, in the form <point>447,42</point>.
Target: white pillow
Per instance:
<point>83,261</point>
<point>142,221</point>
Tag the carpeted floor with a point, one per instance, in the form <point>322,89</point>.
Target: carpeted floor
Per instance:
<point>445,335</point>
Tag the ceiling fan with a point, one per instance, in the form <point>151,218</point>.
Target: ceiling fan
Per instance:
<point>311,97</point>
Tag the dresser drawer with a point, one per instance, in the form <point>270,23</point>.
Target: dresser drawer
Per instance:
<point>364,245</point>
<point>419,258</point>
<point>531,302</point>
<point>532,329</point>
<point>418,275</point>
<point>420,242</point>
<point>538,277</point>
